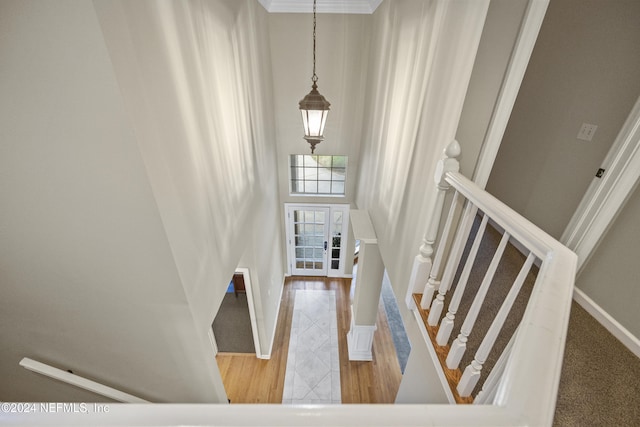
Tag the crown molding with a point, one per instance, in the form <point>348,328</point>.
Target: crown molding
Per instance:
<point>323,6</point>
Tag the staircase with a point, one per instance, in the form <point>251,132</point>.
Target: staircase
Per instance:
<point>512,261</point>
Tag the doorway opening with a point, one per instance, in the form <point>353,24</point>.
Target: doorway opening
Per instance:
<point>234,326</point>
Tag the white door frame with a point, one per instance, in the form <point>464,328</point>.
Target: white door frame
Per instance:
<point>606,196</point>
<point>252,310</point>
<point>252,316</point>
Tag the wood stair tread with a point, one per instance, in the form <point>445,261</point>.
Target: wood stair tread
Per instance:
<point>452,375</point>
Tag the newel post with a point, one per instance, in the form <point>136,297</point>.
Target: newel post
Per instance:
<point>423,262</point>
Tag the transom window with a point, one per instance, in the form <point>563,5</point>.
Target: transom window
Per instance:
<point>319,175</point>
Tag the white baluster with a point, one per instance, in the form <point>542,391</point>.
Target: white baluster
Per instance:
<point>446,325</point>
<point>423,264</point>
<point>459,346</point>
<point>452,263</point>
<point>471,373</point>
<point>490,386</point>
<point>433,281</point>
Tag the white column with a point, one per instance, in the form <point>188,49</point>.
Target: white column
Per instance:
<point>370,272</point>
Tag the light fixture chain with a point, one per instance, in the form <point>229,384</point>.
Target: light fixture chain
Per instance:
<point>315,77</point>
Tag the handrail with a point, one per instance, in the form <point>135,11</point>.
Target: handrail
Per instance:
<point>528,385</point>
<point>78,381</point>
<point>535,239</point>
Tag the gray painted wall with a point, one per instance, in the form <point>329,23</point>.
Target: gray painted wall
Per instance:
<point>498,37</point>
<point>584,68</point>
<point>611,276</point>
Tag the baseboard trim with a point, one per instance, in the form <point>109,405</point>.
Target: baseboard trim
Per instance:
<point>610,324</point>
<point>267,356</point>
<point>360,340</point>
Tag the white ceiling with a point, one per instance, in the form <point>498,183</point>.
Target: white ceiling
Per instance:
<point>323,6</point>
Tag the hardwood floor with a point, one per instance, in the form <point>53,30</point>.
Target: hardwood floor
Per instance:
<point>251,380</point>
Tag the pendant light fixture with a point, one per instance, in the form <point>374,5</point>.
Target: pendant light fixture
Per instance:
<point>314,107</point>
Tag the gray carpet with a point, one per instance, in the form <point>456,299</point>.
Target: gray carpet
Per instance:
<point>600,380</point>
<point>232,325</point>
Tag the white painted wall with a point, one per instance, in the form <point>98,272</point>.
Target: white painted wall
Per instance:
<point>341,63</point>
<point>196,80</point>
<point>584,68</point>
<point>138,162</point>
<point>89,281</point>
<point>421,59</point>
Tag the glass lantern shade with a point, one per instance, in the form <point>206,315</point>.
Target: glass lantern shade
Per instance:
<point>314,108</point>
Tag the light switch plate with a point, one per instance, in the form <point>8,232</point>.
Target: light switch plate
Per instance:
<point>586,131</point>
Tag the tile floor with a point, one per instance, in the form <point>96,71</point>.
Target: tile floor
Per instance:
<point>313,366</point>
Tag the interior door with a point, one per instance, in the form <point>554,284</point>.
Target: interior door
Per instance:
<point>308,240</point>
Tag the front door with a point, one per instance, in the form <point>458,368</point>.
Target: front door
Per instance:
<point>309,240</point>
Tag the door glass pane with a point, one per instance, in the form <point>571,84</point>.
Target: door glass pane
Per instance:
<point>309,230</point>
<point>337,218</point>
<point>336,240</point>
<point>309,216</point>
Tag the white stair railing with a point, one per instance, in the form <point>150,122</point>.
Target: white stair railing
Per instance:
<point>539,341</point>
<point>446,326</point>
<point>78,381</point>
<point>471,374</point>
<point>459,346</point>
